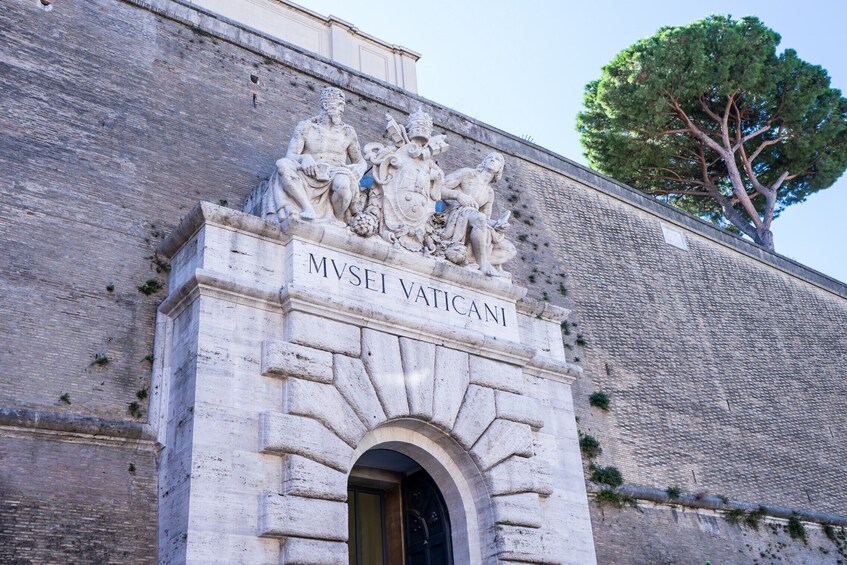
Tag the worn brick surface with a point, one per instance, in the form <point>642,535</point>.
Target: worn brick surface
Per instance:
<point>726,373</point>
<point>63,502</point>
<point>659,535</point>
<point>722,371</point>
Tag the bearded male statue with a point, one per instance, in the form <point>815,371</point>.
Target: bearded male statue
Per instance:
<point>320,173</point>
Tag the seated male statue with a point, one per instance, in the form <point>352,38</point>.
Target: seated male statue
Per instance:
<point>319,175</point>
<point>470,201</point>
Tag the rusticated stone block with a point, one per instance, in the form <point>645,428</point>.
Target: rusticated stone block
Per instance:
<point>322,333</point>
<point>281,516</point>
<point>522,544</point>
<point>310,479</point>
<point>449,385</point>
<point>501,440</point>
<point>519,408</point>
<point>520,474</point>
<point>517,509</point>
<point>284,359</point>
<point>476,413</point>
<point>302,551</point>
<point>496,374</point>
<point>418,369</point>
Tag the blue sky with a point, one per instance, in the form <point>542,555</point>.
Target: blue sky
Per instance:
<point>522,66</point>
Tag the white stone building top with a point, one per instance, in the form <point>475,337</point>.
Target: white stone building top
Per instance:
<point>329,37</point>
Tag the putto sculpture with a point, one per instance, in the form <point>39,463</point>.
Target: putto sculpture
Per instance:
<point>319,180</point>
<point>314,180</point>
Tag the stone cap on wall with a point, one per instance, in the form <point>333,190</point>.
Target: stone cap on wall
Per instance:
<point>330,37</point>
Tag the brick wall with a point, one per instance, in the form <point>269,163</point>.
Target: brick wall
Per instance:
<point>67,501</point>
<point>627,536</point>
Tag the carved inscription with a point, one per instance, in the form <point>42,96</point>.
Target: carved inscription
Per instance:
<point>414,291</point>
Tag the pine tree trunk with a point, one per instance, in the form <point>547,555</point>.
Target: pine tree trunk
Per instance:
<point>764,237</point>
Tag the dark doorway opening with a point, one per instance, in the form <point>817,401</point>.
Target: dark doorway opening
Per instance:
<point>397,514</point>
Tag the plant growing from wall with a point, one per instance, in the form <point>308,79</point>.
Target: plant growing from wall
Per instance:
<point>734,516</point>
<point>614,498</point>
<point>589,445</point>
<point>599,399</point>
<point>65,398</point>
<point>606,475</point>
<point>100,359</point>
<point>754,517</point>
<point>135,410</point>
<point>161,265</point>
<point>150,286</point>
<point>672,492</point>
<point>796,529</point>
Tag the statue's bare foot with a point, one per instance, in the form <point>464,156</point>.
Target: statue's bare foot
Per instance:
<point>308,213</point>
<point>489,270</point>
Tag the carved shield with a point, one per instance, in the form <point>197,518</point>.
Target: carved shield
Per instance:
<point>407,200</point>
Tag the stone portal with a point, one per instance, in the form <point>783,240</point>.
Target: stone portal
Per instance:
<point>288,351</point>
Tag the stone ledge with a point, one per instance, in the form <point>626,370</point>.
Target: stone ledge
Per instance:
<point>32,419</point>
<point>211,283</point>
<point>554,369</point>
<point>544,310</point>
<point>660,496</point>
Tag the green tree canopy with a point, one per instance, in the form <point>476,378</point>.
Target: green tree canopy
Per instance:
<point>710,118</point>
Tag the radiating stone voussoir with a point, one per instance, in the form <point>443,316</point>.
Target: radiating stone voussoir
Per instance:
<point>354,384</point>
<point>500,441</point>
<point>286,434</point>
<point>324,403</point>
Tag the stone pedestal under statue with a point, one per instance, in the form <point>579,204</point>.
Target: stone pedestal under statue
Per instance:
<point>286,353</point>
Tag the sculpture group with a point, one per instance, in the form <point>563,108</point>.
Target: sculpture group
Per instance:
<point>320,175</point>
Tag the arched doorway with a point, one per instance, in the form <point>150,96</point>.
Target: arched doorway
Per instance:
<point>396,513</point>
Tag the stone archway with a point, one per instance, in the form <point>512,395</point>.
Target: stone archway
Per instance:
<point>466,419</point>
<point>455,474</point>
<point>275,376</point>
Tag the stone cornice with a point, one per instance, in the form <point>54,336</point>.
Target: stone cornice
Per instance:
<point>73,426</point>
<point>660,496</point>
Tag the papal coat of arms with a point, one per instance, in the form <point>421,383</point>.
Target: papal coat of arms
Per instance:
<point>407,182</point>
<point>318,180</point>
